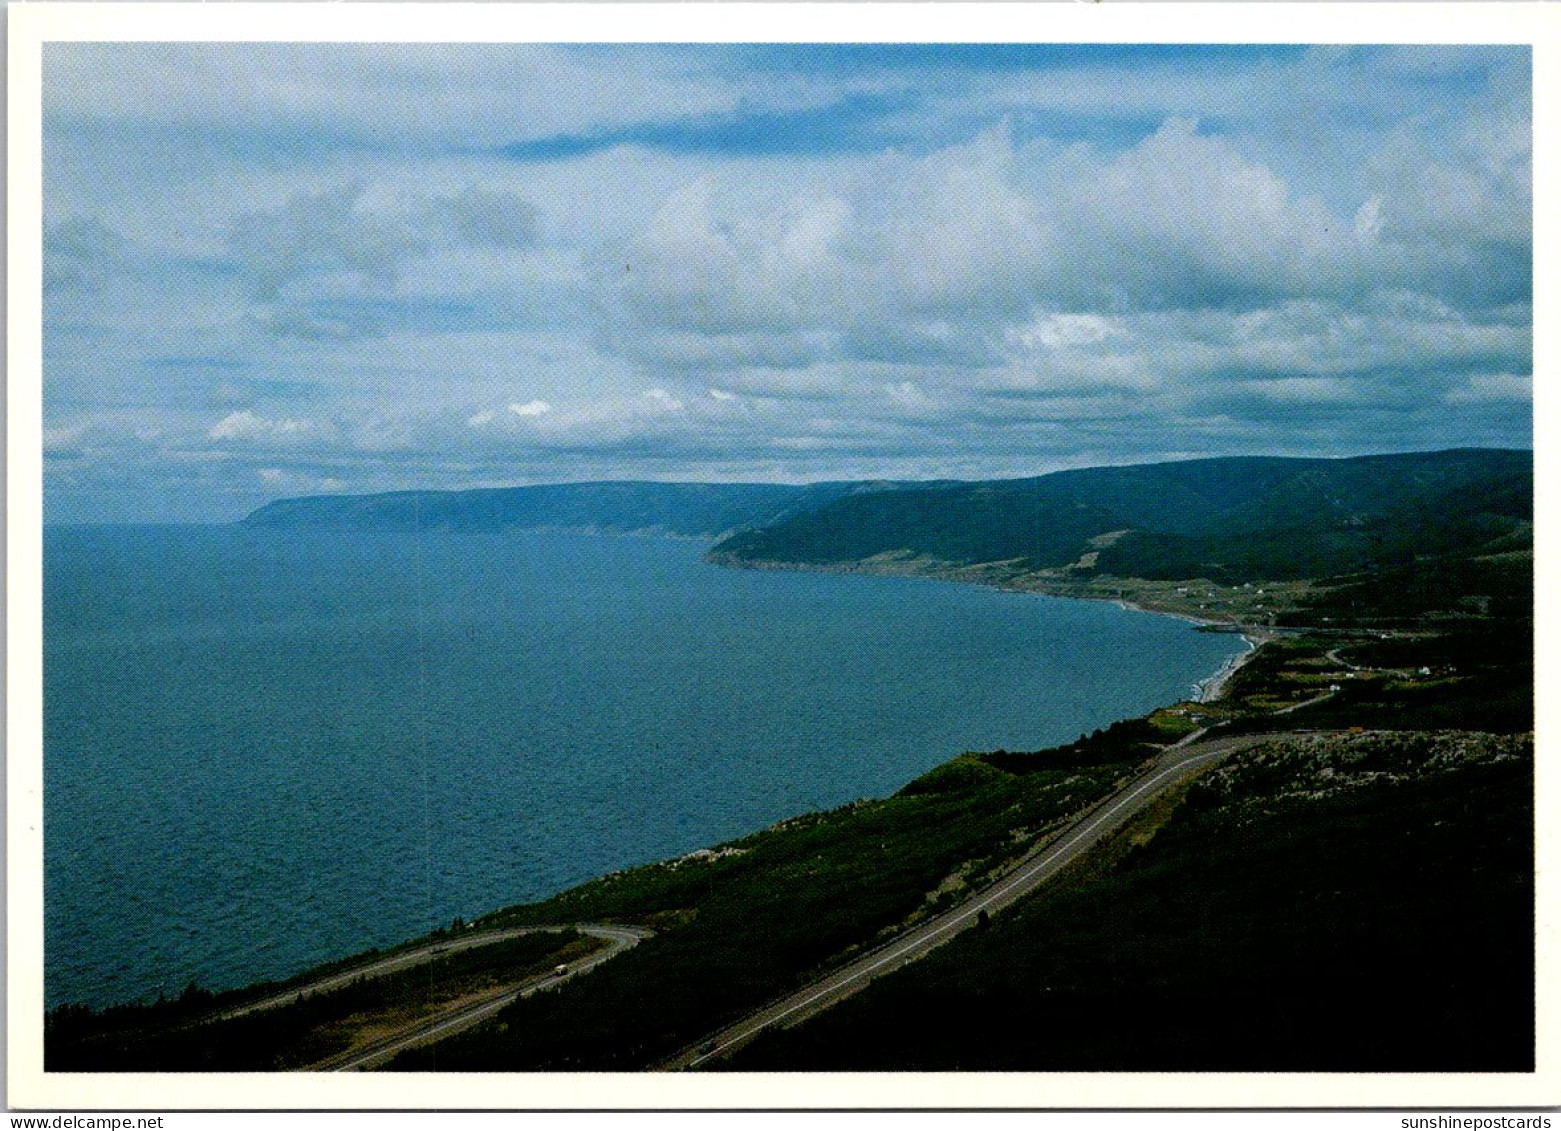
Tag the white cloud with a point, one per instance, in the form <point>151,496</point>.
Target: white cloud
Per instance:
<point>952,252</point>
<point>1063,331</point>
<point>298,482</point>
<point>1493,387</point>
<point>365,96</point>
<point>61,439</point>
<point>325,247</point>
<point>245,425</point>
<point>1368,219</point>
<point>515,410</point>
<point>907,394</point>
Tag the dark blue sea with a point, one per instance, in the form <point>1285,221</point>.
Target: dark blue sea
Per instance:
<point>267,749</point>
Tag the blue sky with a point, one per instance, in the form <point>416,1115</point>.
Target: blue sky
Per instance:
<point>296,268</point>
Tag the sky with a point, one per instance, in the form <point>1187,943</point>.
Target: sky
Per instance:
<point>290,269</point>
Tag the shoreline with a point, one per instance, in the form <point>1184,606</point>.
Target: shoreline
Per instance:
<point>1206,690</point>
<point>983,574</point>
<point>1212,689</point>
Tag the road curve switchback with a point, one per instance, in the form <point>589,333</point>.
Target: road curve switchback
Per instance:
<point>401,960</point>
<point>453,1021</point>
<point>1041,864</point>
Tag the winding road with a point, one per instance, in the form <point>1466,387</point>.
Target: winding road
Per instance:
<point>453,1018</point>
<point>452,1021</point>
<point>399,961</point>
<point>1041,864</point>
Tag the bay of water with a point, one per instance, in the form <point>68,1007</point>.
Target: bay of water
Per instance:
<point>266,749</point>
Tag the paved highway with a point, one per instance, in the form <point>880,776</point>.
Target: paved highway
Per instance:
<point>1041,864</point>
<point>452,1022</point>
<point>399,961</point>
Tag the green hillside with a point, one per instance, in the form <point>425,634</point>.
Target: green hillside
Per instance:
<point>1229,520</point>
<point>1351,903</point>
<point>687,509</point>
<point>1357,896</point>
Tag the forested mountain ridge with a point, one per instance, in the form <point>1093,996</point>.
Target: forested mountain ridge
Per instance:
<point>685,509</point>
<point>1394,788</point>
<point>1232,520</point>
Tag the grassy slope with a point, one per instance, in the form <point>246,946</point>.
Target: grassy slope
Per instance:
<point>742,928</point>
<point>1482,679</point>
<point>758,918</point>
<point>689,509</point>
<point>761,916</point>
<point>1227,520</point>
<point>146,1039</point>
<point>1358,924</point>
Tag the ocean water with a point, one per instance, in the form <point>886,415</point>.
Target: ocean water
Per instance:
<point>267,749</point>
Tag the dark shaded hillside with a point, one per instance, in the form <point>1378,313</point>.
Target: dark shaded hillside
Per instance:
<point>1228,520</point>
<point>1347,490</point>
<point>1231,520</point>
<point>757,917</point>
<point>1360,903</point>
<point>189,1034</point>
<point>966,522</point>
<point>1187,497</point>
<point>1497,588</point>
<point>688,509</point>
